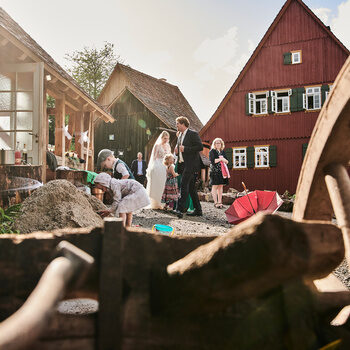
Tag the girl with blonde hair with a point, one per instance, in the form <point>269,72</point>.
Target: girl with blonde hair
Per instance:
<point>171,191</point>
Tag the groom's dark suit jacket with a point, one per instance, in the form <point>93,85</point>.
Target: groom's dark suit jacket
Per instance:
<point>193,145</point>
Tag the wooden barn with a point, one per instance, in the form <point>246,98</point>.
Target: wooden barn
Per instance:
<point>28,75</point>
<point>267,116</point>
<point>142,106</point>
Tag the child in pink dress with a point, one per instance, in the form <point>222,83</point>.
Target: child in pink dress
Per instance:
<point>171,192</point>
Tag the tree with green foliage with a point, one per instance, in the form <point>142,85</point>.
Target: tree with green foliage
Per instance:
<point>92,67</point>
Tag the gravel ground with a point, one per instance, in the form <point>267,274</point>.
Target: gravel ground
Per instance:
<point>213,221</point>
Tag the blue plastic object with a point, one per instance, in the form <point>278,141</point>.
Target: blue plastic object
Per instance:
<point>164,229</point>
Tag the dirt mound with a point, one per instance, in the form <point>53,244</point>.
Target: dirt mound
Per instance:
<point>58,204</point>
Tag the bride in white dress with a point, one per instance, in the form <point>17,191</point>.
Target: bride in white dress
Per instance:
<point>156,171</point>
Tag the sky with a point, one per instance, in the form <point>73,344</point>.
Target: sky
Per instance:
<point>198,45</point>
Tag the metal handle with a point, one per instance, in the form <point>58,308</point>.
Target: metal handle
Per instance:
<point>25,325</point>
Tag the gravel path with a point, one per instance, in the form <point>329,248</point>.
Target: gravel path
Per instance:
<point>213,221</point>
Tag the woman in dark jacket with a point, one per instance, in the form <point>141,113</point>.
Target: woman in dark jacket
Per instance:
<point>217,156</point>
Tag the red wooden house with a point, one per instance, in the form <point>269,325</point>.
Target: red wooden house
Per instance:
<point>267,116</point>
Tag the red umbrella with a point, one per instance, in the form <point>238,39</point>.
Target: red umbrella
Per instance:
<point>244,207</point>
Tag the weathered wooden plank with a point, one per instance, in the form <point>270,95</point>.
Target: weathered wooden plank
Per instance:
<point>44,134</point>
<point>79,122</point>
<point>256,256</point>
<point>110,287</point>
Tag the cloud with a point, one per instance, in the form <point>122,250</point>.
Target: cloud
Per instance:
<point>340,23</point>
<point>159,57</point>
<point>215,54</point>
<point>323,14</point>
<point>235,68</point>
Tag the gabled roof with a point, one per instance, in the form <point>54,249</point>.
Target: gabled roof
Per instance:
<point>258,49</point>
<point>12,27</point>
<point>163,99</point>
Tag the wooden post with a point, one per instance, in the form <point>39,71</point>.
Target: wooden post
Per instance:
<point>79,119</point>
<point>71,125</point>
<point>92,140</point>
<point>59,130</point>
<point>91,143</point>
<point>109,327</point>
<point>87,127</point>
<point>44,135</point>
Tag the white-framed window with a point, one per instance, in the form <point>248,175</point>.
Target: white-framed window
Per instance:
<point>280,101</point>
<point>327,92</point>
<point>258,102</point>
<point>261,156</point>
<point>296,57</point>
<point>239,158</point>
<point>312,98</point>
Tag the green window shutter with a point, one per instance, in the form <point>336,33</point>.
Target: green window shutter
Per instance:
<point>324,89</point>
<point>300,92</point>
<point>250,157</point>
<point>247,105</point>
<point>287,58</point>
<point>229,155</point>
<point>273,156</point>
<point>294,101</point>
<point>304,148</point>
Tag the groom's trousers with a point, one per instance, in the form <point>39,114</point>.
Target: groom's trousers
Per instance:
<point>188,187</point>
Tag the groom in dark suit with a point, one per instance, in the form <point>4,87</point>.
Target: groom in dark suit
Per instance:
<point>187,148</point>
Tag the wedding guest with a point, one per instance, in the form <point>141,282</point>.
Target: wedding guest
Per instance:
<point>138,168</point>
<point>107,160</point>
<point>217,156</point>
<point>128,196</point>
<point>171,192</point>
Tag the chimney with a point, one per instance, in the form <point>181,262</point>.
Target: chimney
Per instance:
<point>162,79</point>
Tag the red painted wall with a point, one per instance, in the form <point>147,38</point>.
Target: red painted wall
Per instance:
<point>322,58</point>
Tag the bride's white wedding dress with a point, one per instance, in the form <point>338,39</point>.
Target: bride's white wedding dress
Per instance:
<point>156,175</point>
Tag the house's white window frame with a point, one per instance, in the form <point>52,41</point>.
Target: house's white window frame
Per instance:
<point>279,96</point>
<point>315,93</point>
<point>256,98</point>
<point>242,157</point>
<point>261,156</point>
<point>296,57</point>
<point>328,92</point>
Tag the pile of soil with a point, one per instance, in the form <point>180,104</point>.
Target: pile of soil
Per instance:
<point>58,204</point>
